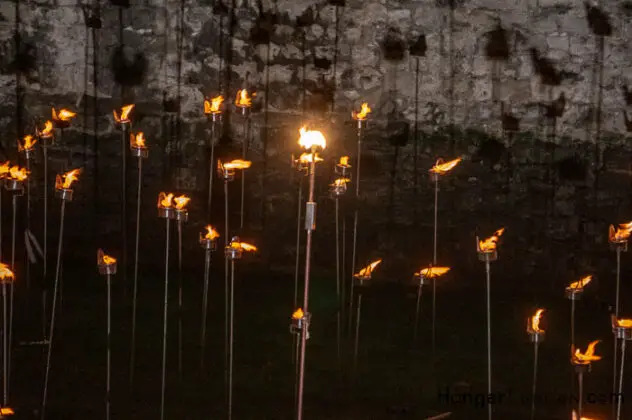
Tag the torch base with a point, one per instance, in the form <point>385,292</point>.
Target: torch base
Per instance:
<point>215,116</point>
<point>244,110</point>
<point>124,125</point>
<point>29,154</point>
<point>140,152</point>
<point>107,269</point>
<point>227,175</point>
<point>166,212</point>
<point>47,141</point>
<point>487,256</point>
<point>536,337</point>
<point>181,215</point>
<point>582,367</point>
<point>338,191</point>
<point>622,333</point>
<point>208,244</point>
<point>15,186</point>
<point>297,325</point>
<point>233,253</point>
<point>343,171</point>
<point>573,294</point>
<point>64,193</point>
<point>420,280</point>
<point>361,123</point>
<point>621,246</point>
<point>360,281</point>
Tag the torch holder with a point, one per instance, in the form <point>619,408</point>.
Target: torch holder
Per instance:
<point>244,111</point>
<point>215,117</point>
<point>107,269</point>
<point>338,190</point>
<point>166,212</point>
<point>208,244</point>
<point>621,246</point>
<point>301,167</point>
<point>421,280</point>
<point>181,215</point>
<point>359,281</point>
<point>361,123</point>
<point>621,333</point>
<point>61,124</point>
<point>536,336</point>
<point>487,256</point>
<point>297,324</point>
<point>139,152</point>
<point>15,186</point>
<point>581,368</point>
<point>64,193</point>
<point>233,254</point>
<point>45,140</point>
<point>434,177</point>
<point>573,293</point>
<point>227,174</point>
<point>28,155</point>
<point>124,125</point>
<point>343,170</point>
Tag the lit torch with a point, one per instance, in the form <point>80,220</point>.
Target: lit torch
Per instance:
<point>361,115</point>
<point>27,146</point>
<point>45,133</point>
<point>14,182</point>
<point>213,110</point>
<point>123,117</point>
<point>360,277</point>
<point>536,335</point>
<point>107,267</point>
<point>582,362</point>
<point>424,277</point>
<point>440,168</point>
<point>6,278</point>
<point>181,215</point>
<point>46,137</point>
<point>622,329</point>
<point>208,242</point>
<point>243,101</point>
<point>137,145</point>
<point>62,118</point>
<point>63,184</point>
<point>574,292</point>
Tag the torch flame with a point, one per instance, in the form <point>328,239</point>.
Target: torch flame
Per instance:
<point>211,234</point>
<point>576,417</point>
<point>432,272</point>
<point>212,106</point>
<point>490,244</point>
<point>623,323</point>
<point>103,259</point>
<point>63,115</point>
<point>28,143</point>
<point>310,139</point>
<point>534,324</point>
<point>181,202</point>
<point>364,111</point>
<point>368,270</point>
<point>5,272</point>
<point>344,162</point>
<point>236,164</point>
<point>6,411</point>
<point>17,173</point>
<point>125,111</point>
<point>137,141</point>
<point>620,233</point>
<point>4,169</point>
<point>65,181</point>
<point>340,182</point>
<point>165,200</point>
<point>442,168</point>
<point>308,158</point>
<point>298,314</point>
<point>47,131</point>
<point>580,284</point>
<point>580,358</point>
<point>242,245</point>
<point>243,100</point>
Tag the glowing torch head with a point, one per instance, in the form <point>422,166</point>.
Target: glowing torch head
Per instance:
<point>214,105</point>
<point>361,115</point>
<point>124,116</point>
<point>310,139</point>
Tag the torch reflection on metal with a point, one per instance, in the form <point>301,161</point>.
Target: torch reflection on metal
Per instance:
<point>181,215</point>
<point>622,329</point>
<point>536,336</point>
<point>213,110</point>
<point>208,242</point>
<point>487,252</point>
<point>107,267</point>
<point>6,278</point>
<point>360,278</point>
<point>423,278</point>
<point>233,252</point>
<point>139,150</point>
<point>582,362</point>
<point>27,148</point>
<point>64,191</point>
<point>243,102</point>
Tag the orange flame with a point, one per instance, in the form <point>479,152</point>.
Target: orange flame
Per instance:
<point>621,233</point>
<point>310,139</point>
<point>298,314</point>
<point>5,272</point>
<point>490,244</point>
<point>65,181</point>
<point>181,202</point>
<point>137,141</point>
<point>4,169</point>
<point>442,168</point>
<point>580,358</point>
<point>17,173</point>
<point>212,106</point>
<point>211,234</point>
<point>28,143</point>
<point>125,111</point>
<point>243,246</point>
<point>576,417</point>
<point>368,270</point>
<point>47,131</point>
<point>63,115</point>
<point>534,322</point>
<point>623,323</point>
<point>308,158</point>
<point>243,100</point>
<point>344,162</point>
<point>364,111</point>
<point>235,164</point>
<point>165,200</point>
<point>6,411</point>
<point>580,284</point>
<point>103,259</point>
<point>340,182</point>
<point>432,272</point>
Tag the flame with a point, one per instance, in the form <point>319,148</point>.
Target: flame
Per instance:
<point>103,259</point>
<point>137,141</point>
<point>298,314</point>
<point>340,182</point>
<point>47,131</point>
<point>17,173</point>
<point>363,112</point>
<point>576,417</point>
<point>236,164</point>
<point>242,245</point>
<point>5,272</point>
<point>6,411</point>
<point>534,321</point>
<point>368,270</point>
<point>181,202</point>
<point>308,158</point>
<point>344,161</point>
<point>580,284</point>
<point>4,169</point>
<point>212,106</point>
<point>621,233</point>
<point>442,168</point>
<point>68,178</point>
<point>63,115</point>
<point>211,234</point>
<point>165,200</point>
<point>124,117</point>
<point>310,139</point>
<point>580,358</point>
<point>624,323</point>
<point>489,244</point>
<point>432,272</point>
<point>28,143</point>
<point>243,100</point>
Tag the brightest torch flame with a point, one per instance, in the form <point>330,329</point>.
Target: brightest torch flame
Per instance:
<point>308,158</point>
<point>243,100</point>
<point>340,182</point>
<point>47,131</point>
<point>5,272</point>
<point>242,245</point>
<point>587,357</point>
<point>535,321</point>
<point>310,139</point>
<point>28,143</point>
<point>368,270</point>
<point>443,168</point>
<point>212,106</point>
<point>17,173</point>
<point>211,234</point>
<point>124,116</point>
<point>364,111</point>
<point>620,233</point>
<point>63,115</point>
<point>137,141</point>
<point>580,284</point>
<point>298,314</point>
<point>181,202</point>
<point>344,161</point>
<point>4,169</point>
<point>65,181</point>
<point>624,323</point>
<point>433,272</point>
<point>105,259</point>
<point>490,244</point>
<point>236,164</point>
<point>165,200</point>
<point>576,417</point>
<point>6,411</point>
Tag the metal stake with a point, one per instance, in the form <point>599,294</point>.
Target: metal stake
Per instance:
<point>231,339</point>
<point>298,255</point>
<point>243,155</point>
<point>180,284</point>
<point>211,170</point>
<point>226,310</point>
<point>580,379</point>
<point>338,300</point>
<point>536,345</point>
<point>357,333</point>
<point>489,339</point>
<point>11,286</point>
<point>207,270</point>
<point>132,363</point>
<point>620,395</point>
<point>164,324</point>
<point>5,361</point>
<point>109,346</point>
<point>355,219</point>
<point>616,312</point>
<point>124,139</point>
<point>417,311</point>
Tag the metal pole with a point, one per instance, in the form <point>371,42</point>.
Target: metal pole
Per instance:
<point>338,301</point>
<point>109,346</point>
<point>231,331</point>
<point>226,242</point>
<point>535,378</point>
<point>417,309</point>
<point>211,170</point>
<point>5,363</point>
<point>489,340</point>
<point>243,175</point>
<point>620,394</point>
<point>132,364</point>
<point>436,202</point>
<point>616,312</point>
<point>45,271</point>
<point>52,318</point>
<point>580,378</point>
<point>124,140</point>
<point>164,325</point>
<point>298,239</point>
<point>357,334</point>
<point>180,281</point>
<point>573,323</point>
<point>207,270</point>
<point>355,219</point>
<point>11,285</point>
<point>28,222</point>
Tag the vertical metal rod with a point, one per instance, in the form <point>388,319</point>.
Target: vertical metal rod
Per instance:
<point>226,242</point>
<point>417,310</point>
<point>123,264</point>
<point>489,339</point>
<point>535,378</point>
<point>243,174</point>
<point>109,347</point>
<point>211,170</point>
<point>230,348</point>
<point>5,363</point>
<point>356,341</point>
<point>573,323</point>
<point>416,142</point>
<point>308,255</point>
<point>620,394</point>
<point>54,306</point>
<point>180,285</point>
<point>14,199</point>
<point>28,223</point>
<point>164,325</point>
<point>436,202</point>
<point>434,317</point>
<point>616,312</point>
<point>580,378</point>
<point>45,259</point>
<point>338,301</point>
<point>355,219</point>
<point>132,362</point>
<point>298,238</point>
<point>207,270</point>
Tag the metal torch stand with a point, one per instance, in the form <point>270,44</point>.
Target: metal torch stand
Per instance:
<point>245,112</point>
<point>296,329</point>
<point>166,213</point>
<point>227,175</point>
<point>573,294</point>
<point>216,117</point>
<point>360,284</point>
<point>360,125</point>
<point>231,254</point>
<point>108,270</point>
<point>419,281</point>
<point>125,128</point>
<point>181,216</point>
<point>536,337</point>
<point>209,245</point>
<point>488,258</point>
<point>622,334</point>
<point>580,370</point>
<point>618,247</point>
